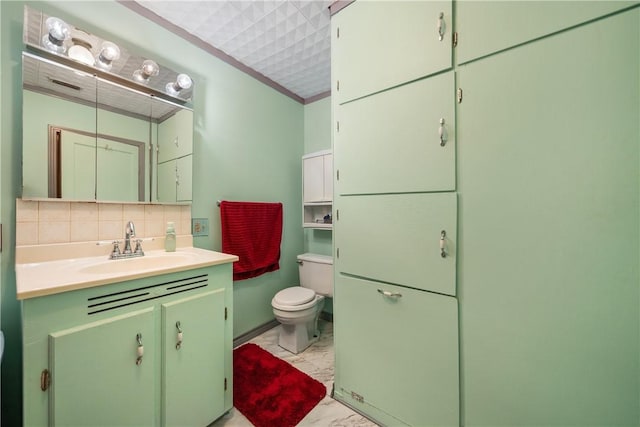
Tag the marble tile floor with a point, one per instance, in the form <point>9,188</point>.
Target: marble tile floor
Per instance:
<point>317,362</point>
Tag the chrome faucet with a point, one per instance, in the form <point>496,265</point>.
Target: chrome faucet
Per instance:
<point>129,232</point>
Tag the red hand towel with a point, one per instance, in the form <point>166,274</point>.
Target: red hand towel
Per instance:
<point>253,232</point>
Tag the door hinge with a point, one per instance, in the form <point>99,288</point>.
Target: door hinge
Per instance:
<point>226,314</point>
<point>45,380</point>
<point>225,384</point>
<point>454,39</point>
<point>459,95</point>
<point>357,397</point>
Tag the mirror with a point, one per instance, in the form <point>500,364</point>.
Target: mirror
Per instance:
<point>87,138</point>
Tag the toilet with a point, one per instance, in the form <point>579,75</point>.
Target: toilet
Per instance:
<point>298,308</point>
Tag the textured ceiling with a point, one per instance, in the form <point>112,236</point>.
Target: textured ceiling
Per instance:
<point>287,41</point>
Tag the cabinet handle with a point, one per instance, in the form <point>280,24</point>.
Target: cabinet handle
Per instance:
<point>441,26</point>
<point>140,351</point>
<point>443,252</point>
<point>390,294</point>
<point>442,131</point>
<point>179,343</point>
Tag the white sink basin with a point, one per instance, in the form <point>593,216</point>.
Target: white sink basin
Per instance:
<point>137,264</point>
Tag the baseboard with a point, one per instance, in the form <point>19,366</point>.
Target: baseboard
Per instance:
<point>248,336</point>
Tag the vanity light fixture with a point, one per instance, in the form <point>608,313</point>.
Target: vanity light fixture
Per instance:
<point>58,32</point>
<point>81,52</point>
<point>183,81</point>
<point>109,52</point>
<point>149,69</point>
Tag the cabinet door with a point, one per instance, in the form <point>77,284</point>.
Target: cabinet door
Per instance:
<point>313,179</point>
<point>485,27</point>
<point>397,354</point>
<point>167,178</point>
<point>193,370</point>
<point>549,228</point>
<point>378,45</point>
<point>96,380</point>
<point>397,238</point>
<point>391,142</point>
<point>327,175</point>
<point>184,178</point>
<point>175,136</point>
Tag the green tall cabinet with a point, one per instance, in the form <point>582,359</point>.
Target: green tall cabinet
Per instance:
<point>487,232</point>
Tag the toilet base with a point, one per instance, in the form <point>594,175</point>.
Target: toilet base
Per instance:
<point>297,338</point>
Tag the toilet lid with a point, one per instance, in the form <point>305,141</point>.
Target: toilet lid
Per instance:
<point>296,295</point>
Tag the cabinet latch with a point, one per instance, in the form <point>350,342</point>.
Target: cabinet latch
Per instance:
<point>226,314</point>
<point>459,95</point>
<point>454,39</point>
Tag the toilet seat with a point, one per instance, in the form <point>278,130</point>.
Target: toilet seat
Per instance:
<point>295,298</point>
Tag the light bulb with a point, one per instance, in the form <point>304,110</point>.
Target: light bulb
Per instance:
<point>58,32</point>
<point>149,68</point>
<point>183,81</point>
<point>109,52</point>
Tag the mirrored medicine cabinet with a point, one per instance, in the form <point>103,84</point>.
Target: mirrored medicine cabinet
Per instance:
<point>89,135</point>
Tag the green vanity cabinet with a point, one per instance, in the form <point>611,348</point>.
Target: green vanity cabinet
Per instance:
<point>400,140</point>
<point>374,39</point>
<point>397,353</point>
<point>486,27</point>
<point>399,238</point>
<point>155,351</point>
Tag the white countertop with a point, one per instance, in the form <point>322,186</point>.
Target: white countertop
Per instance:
<point>40,277</point>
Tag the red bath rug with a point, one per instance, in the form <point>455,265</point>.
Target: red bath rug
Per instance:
<point>269,391</point>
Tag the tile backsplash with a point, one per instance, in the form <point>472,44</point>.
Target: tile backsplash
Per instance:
<point>46,222</point>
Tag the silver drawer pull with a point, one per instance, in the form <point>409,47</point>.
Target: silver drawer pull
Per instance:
<point>390,294</point>
<point>140,349</point>
<point>179,336</point>
<point>443,133</point>
<point>441,26</point>
<point>443,251</point>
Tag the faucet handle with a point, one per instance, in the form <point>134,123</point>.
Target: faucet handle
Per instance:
<point>115,252</point>
<point>138,249</point>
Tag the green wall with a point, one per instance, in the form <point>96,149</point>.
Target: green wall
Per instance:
<point>248,142</point>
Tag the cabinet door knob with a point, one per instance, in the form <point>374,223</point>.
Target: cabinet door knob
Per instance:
<point>140,350</point>
<point>442,132</point>
<point>179,336</point>
<point>441,26</point>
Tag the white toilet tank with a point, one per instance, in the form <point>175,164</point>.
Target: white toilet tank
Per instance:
<point>316,273</point>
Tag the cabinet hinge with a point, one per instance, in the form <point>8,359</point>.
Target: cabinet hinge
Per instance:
<point>45,380</point>
<point>338,175</point>
<point>226,314</point>
<point>338,32</point>
<point>337,252</point>
<point>459,95</point>
<point>454,39</point>
<point>338,86</point>
<point>225,384</point>
<point>337,214</point>
<point>337,126</point>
